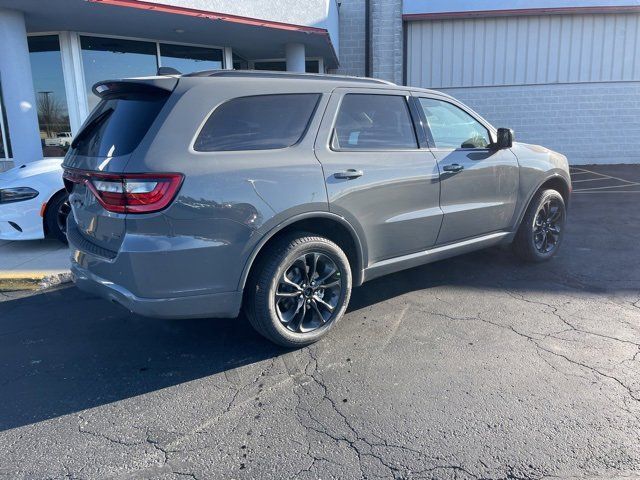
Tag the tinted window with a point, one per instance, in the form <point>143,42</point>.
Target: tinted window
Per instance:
<point>117,125</point>
<point>374,122</point>
<point>262,122</point>
<point>452,127</point>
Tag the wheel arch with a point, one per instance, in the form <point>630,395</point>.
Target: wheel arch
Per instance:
<point>329,225</point>
<point>45,228</point>
<point>555,181</point>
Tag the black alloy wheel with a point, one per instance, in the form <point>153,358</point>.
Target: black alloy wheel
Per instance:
<point>548,225</point>
<point>308,292</point>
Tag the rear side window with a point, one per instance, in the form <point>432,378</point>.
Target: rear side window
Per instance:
<point>374,122</point>
<point>262,122</point>
<point>117,124</point>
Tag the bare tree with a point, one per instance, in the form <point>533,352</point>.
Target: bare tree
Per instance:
<point>49,110</point>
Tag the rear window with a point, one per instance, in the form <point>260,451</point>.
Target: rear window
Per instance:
<point>117,125</point>
<point>262,122</point>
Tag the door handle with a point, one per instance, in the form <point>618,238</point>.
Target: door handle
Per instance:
<point>349,174</point>
<point>454,167</point>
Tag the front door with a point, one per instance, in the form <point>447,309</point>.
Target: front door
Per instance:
<point>377,175</point>
<point>478,184</point>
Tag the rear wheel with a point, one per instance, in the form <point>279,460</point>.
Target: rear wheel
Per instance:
<point>542,229</point>
<point>300,289</point>
<point>55,219</point>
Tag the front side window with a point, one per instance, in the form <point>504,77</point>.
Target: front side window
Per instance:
<point>261,122</point>
<point>373,122</point>
<point>111,58</point>
<point>452,127</point>
<point>51,98</point>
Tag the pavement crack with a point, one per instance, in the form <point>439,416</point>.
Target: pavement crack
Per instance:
<point>554,311</point>
<point>539,346</point>
<point>115,441</point>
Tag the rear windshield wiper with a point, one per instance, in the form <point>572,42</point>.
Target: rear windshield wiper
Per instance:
<point>91,126</point>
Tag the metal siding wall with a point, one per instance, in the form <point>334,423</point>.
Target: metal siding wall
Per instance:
<point>523,50</point>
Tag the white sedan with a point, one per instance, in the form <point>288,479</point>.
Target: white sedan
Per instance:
<point>33,201</point>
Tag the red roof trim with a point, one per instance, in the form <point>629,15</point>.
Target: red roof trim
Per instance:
<point>192,12</point>
<point>521,11</point>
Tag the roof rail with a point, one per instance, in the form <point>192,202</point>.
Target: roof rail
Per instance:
<point>293,75</point>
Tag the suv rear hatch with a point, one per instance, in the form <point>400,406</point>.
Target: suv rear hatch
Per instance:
<point>100,192</point>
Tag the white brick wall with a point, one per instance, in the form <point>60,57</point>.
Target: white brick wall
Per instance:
<point>587,122</point>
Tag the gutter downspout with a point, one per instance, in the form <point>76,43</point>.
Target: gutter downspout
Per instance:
<point>367,38</point>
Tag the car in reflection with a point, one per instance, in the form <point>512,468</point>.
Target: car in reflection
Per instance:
<point>62,139</point>
<point>33,201</point>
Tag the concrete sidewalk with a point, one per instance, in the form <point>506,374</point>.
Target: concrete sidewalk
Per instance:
<point>32,264</point>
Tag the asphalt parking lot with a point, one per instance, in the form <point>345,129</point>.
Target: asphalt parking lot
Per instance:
<point>477,367</point>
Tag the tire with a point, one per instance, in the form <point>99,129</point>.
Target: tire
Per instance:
<point>541,232</point>
<point>55,217</point>
<point>308,305</point>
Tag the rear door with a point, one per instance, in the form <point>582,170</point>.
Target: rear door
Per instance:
<point>478,184</point>
<point>106,143</point>
<point>377,174</point>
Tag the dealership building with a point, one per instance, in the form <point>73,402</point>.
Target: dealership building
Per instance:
<point>563,73</point>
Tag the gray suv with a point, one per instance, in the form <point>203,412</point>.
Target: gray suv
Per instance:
<point>196,195</point>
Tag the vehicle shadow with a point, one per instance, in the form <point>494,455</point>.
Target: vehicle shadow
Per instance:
<point>64,351</point>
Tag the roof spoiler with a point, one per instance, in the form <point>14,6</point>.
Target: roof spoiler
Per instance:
<point>148,85</point>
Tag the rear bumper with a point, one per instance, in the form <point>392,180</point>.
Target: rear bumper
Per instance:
<point>220,305</point>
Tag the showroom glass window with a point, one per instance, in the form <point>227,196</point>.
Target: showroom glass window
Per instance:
<point>5,143</point>
<point>310,66</point>
<point>108,58</point>
<point>51,98</point>
<point>187,59</point>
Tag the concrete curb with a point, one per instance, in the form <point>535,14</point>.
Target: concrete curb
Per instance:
<point>32,280</point>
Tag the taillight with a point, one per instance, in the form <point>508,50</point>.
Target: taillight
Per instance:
<point>129,192</point>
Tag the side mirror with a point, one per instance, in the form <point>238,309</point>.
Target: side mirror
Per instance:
<point>505,138</point>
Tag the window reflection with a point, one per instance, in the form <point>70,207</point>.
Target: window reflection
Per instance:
<point>187,59</point>
<point>51,99</point>
<point>111,58</point>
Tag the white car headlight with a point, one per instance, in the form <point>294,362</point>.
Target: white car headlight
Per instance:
<point>17,194</point>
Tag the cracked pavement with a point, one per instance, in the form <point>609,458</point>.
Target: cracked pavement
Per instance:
<point>477,367</point>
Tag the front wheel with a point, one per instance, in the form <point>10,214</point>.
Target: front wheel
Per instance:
<point>300,289</point>
<point>542,229</point>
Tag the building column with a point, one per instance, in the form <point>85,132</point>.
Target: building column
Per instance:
<point>17,88</point>
<point>295,57</point>
<point>228,58</point>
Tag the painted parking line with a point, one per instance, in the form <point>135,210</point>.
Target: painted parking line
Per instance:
<point>599,179</point>
<point>605,191</point>
<point>622,183</point>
